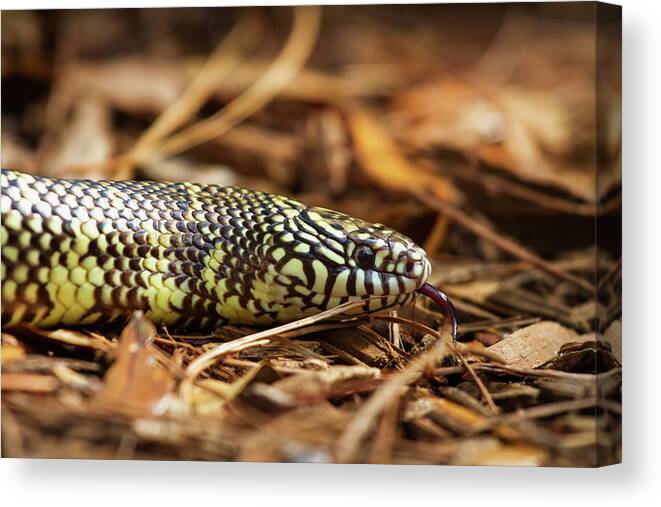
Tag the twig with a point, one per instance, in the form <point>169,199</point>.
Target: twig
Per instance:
<point>297,49</point>
<point>497,324</point>
<point>546,410</point>
<point>498,184</point>
<point>224,59</point>
<point>485,353</point>
<point>547,373</point>
<point>502,242</point>
<point>395,335</point>
<point>480,385</point>
<point>402,320</point>
<point>325,326</point>
<point>204,360</point>
<point>386,434</point>
<point>341,353</point>
<point>243,363</point>
<point>366,415</point>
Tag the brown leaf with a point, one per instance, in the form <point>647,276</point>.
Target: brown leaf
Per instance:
<point>534,345</point>
<point>529,133</point>
<point>136,382</point>
<point>384,162</point>
<point>587,357</point>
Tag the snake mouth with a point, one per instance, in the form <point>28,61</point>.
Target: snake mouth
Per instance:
<point>441,299</point>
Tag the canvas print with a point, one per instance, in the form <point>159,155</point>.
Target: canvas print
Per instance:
<point>341,234</point>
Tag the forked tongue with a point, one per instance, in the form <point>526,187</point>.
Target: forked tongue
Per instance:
<point>444,302</point>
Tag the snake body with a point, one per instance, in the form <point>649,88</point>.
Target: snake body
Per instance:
<point>77,252</point>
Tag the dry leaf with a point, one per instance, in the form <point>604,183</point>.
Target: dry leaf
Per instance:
<point>136,382</point>
<point>530,133</point>
<point>590,356</point>
<point>534,345</point>
<point>383,161</point>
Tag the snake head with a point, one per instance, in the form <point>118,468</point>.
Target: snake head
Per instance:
<point>331,258</point>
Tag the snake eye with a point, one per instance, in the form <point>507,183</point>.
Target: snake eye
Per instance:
<point>365,257</point>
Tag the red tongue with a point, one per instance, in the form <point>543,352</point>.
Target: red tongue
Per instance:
<point>444,302</point>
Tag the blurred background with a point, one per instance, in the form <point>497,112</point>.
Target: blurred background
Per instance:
<point>498,100</point>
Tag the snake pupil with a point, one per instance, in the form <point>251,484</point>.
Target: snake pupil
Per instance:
<point>365,257</point>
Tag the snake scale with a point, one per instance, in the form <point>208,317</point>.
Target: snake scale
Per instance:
<point>78,252</point>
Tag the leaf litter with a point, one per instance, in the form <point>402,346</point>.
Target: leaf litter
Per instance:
<point>477,141</point>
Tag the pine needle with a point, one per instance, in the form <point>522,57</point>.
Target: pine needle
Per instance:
<point>227,56</point>
<point>287,64</point>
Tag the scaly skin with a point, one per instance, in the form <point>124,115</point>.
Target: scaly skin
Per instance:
<point>76,252</point>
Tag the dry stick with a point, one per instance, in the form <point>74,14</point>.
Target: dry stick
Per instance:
<point>412,323</point>
<point>497,324</point>
<point>497,184</point>
<point>458,346</point>
<point>364,418</point>
<point>546,410</point>
<point>528,372</point>
<point>386,434</point>
<point>381,342</point>
<point>480,385</point>
<point>547,373</point>
<point>467,307</point>
<point>224,59</point>
<point>395,335</point>
<point>325,326</point>
<point>288,63</point>
<point>446,370</point>
<point>242,363</point>
<point>338,352</point>
<point>203,361</point>
<point>501,242</point>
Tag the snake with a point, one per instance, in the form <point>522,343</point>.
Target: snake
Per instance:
<point>78,252</point>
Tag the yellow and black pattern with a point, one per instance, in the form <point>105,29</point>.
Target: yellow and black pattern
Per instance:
<point>83,251</point>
